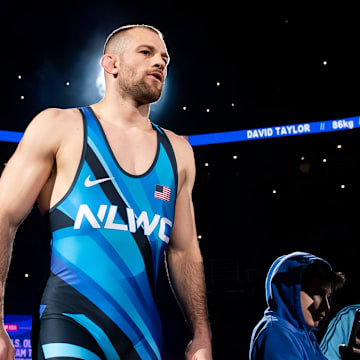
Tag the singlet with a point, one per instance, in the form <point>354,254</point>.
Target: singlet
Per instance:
<point>109,234</point>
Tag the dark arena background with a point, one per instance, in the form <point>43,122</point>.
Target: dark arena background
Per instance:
<point>276,88</point>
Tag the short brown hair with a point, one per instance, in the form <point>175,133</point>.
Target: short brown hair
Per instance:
<point>116,34</point>
<point>322,271</point>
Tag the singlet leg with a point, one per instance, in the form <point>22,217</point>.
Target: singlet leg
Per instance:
<point>62,338</point>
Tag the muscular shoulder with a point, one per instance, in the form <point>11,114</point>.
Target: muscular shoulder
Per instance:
<point>53,118</point>
<point>51,125</point>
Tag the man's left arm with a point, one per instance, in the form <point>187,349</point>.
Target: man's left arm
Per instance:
<point>185,264</point>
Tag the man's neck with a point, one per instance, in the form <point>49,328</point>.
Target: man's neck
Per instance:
<point>123,113</point>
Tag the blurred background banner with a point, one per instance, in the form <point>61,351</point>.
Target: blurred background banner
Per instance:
<point>19,330</point>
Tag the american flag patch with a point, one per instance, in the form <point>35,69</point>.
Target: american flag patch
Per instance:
<point>162,192</point>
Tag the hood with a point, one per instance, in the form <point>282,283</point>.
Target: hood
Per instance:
<point>283,285</point>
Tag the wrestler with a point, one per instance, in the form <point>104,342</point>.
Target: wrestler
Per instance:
<point>117,190</point>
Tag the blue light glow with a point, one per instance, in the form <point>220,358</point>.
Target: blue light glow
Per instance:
<point>10,136</point>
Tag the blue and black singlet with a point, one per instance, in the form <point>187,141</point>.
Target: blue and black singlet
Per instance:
<point>109,234</point>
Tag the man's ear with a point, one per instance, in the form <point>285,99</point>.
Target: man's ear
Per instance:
<point>109,63</point>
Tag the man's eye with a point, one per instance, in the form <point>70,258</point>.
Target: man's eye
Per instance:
<point>145,52</point>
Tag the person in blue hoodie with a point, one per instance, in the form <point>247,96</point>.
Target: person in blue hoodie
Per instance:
<point>298,288</point>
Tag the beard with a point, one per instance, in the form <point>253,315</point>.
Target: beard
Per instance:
<point>144,93</point>
<point>141,88</point>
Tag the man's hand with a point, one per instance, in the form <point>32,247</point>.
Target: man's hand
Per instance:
<point>6,346</point>
<point>198,350</point>
<point>350,353</point>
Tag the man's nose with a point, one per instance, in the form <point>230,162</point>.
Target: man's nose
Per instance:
<point>159,66</point>
<point>160,63</point>
<point>326,304</point>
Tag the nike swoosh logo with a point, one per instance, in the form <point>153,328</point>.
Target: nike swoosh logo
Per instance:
<point>89,183</point>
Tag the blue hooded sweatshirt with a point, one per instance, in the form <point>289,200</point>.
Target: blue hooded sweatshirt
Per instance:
<point>282,333</point>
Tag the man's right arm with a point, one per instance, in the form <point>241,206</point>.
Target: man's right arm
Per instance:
<point>20,184</point>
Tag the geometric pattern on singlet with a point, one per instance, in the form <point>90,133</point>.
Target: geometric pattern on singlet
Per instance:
<point>109,234</point>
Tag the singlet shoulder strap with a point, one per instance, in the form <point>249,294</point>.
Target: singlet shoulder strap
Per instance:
<point>164,140</point>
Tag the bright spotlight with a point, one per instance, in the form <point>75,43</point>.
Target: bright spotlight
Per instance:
<point>100,82</point>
